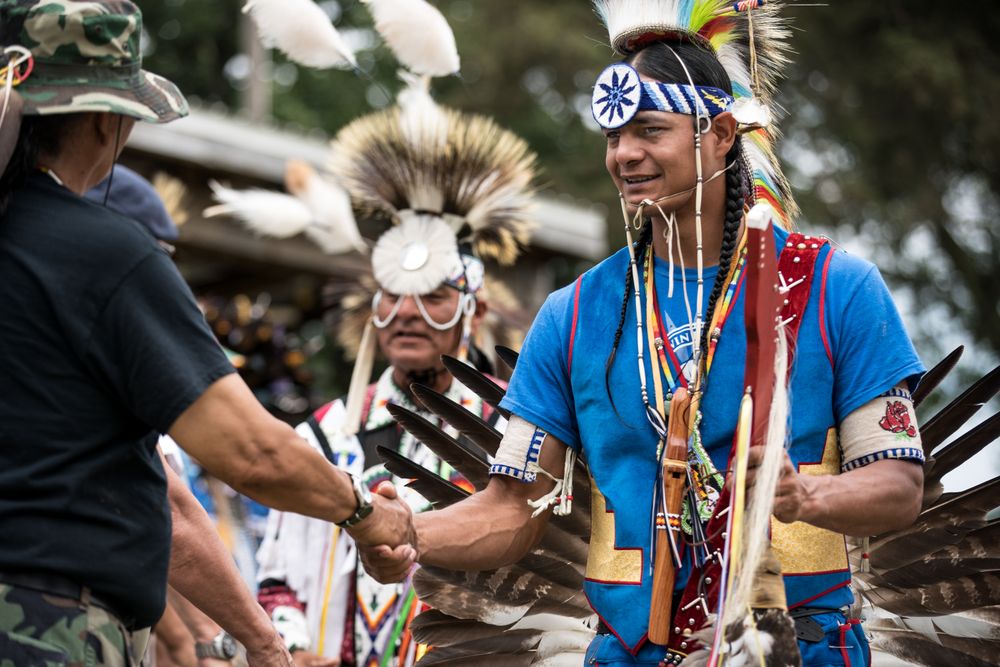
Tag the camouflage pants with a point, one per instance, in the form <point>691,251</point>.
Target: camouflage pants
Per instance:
<point>41,630</point>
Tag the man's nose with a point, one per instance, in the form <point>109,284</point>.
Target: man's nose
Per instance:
<point>629,150</point>
<point>408,307</point>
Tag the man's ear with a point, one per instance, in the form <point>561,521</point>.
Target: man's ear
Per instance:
<point>723,131</point>
<point>477,317</point>
<point>105,126</point>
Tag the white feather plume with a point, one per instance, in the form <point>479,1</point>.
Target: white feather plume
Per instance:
<point>300,30</point>
<point>624,16</point>
<point>333,227</point>
<point>322,211</point>
<point>265,212</point>
<point>418,35</point>
<point>421,120</point>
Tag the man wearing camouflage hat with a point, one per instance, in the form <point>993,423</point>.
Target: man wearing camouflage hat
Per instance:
<point>102,347</point>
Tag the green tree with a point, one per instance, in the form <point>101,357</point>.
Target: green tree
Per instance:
<point>893,135</point>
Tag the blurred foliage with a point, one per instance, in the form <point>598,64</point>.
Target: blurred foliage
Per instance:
<point>891,136</point>
<point>512,69</point>
<point>894,137</point>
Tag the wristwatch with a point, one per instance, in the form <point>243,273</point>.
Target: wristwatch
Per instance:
<point>222,647</point>
<point>365,506</point>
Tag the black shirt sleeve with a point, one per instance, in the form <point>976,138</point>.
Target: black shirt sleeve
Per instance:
<point>152,345</point>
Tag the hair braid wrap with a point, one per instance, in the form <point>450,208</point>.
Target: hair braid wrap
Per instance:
<point>645,238</point>
<point>736,190</point>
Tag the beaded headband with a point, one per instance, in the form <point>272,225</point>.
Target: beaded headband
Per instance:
<point>619,94</point>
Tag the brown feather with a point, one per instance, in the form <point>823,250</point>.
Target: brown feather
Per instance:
<point>958,452</point>
<point>465,422</point>
<point>943,650</point>
<point>937,527</point>
<point>484,387</point>
<point>943,597</point>
<point>950,418</point>
<point>507,355</point>
<point>514,586</point>
<point>933,377</point>
<point>436,490</point>
<point>435,628</point>
<point>979,551</point>
<point>470,463</point>
<point>470,599</point>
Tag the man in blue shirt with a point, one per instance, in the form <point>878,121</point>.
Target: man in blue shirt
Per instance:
<point>582,387</point>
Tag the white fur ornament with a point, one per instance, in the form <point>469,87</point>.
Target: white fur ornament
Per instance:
<point>300,30</point>
<point>418,35</point>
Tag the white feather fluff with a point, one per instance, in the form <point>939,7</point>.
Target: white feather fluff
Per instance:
<point>622,16</point>
<point>264,212</point>
<point>300,30</point>
<point>421,120</point>
<point>333,227</point>
<point>418,35</point>
<point>322,212</point>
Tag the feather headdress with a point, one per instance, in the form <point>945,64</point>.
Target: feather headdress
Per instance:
<point>729,28</point>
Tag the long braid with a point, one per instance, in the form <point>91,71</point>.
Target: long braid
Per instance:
<point>645,237</point>
<point>736,191</point>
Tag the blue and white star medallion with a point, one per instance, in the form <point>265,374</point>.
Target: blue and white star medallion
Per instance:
<point>616,96</point>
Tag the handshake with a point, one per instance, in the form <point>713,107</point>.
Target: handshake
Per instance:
<point>387,539</point>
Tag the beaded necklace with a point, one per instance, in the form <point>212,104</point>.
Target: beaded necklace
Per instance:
<point>706,481</point>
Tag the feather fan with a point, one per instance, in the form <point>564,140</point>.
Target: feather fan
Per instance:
<point>300,30</point>
<point>417,34</point>
<point>932,591</point>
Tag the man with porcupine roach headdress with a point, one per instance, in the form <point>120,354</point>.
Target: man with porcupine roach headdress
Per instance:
<point>687,117</point>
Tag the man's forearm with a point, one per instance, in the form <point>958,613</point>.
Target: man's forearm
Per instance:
<point>487,530</point>
<point>235,439</point>
<point>873,499</point>
<point>202,570</point>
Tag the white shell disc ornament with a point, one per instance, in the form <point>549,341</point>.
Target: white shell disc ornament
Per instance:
<point>415,256</point>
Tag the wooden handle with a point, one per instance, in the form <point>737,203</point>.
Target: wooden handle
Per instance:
<point>674,480</point>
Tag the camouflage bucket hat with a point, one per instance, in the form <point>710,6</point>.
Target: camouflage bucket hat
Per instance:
<point>86,58</point>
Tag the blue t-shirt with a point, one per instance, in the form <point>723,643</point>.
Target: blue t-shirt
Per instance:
<point>849,352</point>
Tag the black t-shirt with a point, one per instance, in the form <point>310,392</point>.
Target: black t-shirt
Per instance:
<point>101,347</point>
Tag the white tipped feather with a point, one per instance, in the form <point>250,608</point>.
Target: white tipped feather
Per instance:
<point>264,212</point>
<point>418,35</point>
<point>322,211</point>
<point>300,30</point>
<point>333,227</point>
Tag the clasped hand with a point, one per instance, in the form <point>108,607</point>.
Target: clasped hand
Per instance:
<point>386,539</point>
<point>791,492</point>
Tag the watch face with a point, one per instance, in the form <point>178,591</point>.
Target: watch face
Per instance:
<point>226,645</point>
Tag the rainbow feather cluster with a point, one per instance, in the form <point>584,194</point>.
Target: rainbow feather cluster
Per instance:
<point>724,26</point>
